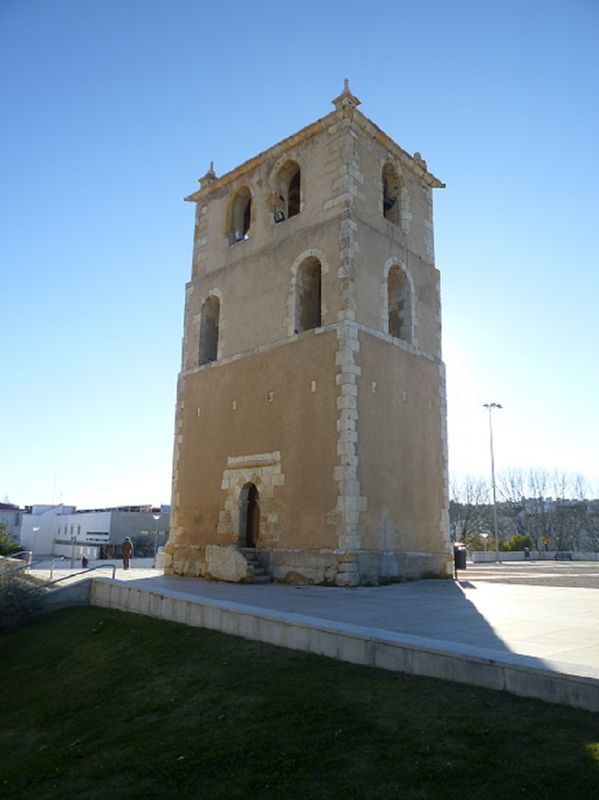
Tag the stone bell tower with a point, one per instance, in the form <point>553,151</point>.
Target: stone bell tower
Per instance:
<point>310,425</point>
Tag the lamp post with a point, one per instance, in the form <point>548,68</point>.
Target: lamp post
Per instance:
<point>33,542</point>
<point>73,540</point>
<point>490,407</point>
<point>156,518</point>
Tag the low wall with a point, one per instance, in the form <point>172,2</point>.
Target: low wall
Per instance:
<point>478,557</point>
<point>77,594</point>
<point>10,565</point>
<point>520,675</point>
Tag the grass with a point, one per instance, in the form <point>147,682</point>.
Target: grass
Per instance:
<point>100,704</point>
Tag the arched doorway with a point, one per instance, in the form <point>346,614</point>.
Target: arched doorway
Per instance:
<point>250,515</point>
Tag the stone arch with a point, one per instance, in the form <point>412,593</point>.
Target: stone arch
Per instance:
<point>308,295</point>
<point>394,196</point>
<point>263,470</point>
<point>286,186</point>
<point>240,214</point>
<point>301,268</point>
<point>210,328</point>
<point>249,515</point>
<point>398,295</point>
<point>286,190</point>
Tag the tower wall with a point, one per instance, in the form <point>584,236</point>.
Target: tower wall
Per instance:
<point>401,434</point>
<point>265,419</point>
<point>341,428</point>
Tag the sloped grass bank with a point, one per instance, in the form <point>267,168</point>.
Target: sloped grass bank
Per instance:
<point>98,704</point>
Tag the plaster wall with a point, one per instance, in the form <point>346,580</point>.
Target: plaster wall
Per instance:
<point>313,153</point>
<point>372,151</point>
<point>401,462</point>
<point>254,292</point>
<point>376,255</point>
<point>281,400</point>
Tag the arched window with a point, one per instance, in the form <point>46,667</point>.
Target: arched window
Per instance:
<point>391,186</point>
<point>399,304</point>
<point>249,515</point>
<point>240,215</point>
<point>288,197</point>
<point>209,317</point>
<point>308,295</point>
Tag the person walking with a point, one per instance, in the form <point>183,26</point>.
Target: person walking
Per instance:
<point>127,550</point>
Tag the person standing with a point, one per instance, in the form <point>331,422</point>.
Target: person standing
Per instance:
<point>127,550</point>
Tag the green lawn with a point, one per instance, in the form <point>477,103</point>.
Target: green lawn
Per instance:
<point>100,704</point>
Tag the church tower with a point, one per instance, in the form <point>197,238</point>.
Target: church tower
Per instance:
<point>311,417</point>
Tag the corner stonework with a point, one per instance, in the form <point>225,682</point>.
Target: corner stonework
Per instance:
<point>350,503</point>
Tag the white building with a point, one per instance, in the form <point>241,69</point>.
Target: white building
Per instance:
<point>95,533</point>
<point>38,527</point>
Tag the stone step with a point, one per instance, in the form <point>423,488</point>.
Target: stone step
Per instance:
<point>249,553</point>
<point>258,573</point>
<point>260,579</point>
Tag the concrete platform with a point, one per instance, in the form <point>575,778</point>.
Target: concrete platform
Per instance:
<point>532,641</point>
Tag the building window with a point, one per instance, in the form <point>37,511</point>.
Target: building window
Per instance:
<point>391,187</point>
<point>240,216</point>
<point>308,295</point>
<point>398,304</point>
<point>209,319</point>
<point>288,198</point>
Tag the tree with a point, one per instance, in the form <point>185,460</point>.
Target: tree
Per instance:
<point>517,542</point>
<point>20,600</point>
<point>543,509</point>
<point>469,512</point>
<point>143,544</point>
<point>7,543</point>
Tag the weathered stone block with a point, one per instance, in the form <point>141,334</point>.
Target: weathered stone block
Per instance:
<point>226,563</point>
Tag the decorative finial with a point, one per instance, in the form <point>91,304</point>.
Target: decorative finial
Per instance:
<point>209,177</point>
<point>346,98</point>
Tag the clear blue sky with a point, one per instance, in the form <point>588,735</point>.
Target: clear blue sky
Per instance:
<point>111,110</point>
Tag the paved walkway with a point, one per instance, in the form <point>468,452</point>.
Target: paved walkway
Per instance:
<point>529,631</point>
<point>559,625</point>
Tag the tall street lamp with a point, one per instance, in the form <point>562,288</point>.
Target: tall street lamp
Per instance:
<point>490,407</point>
<point>73,541</point>
<point>156,518</point>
